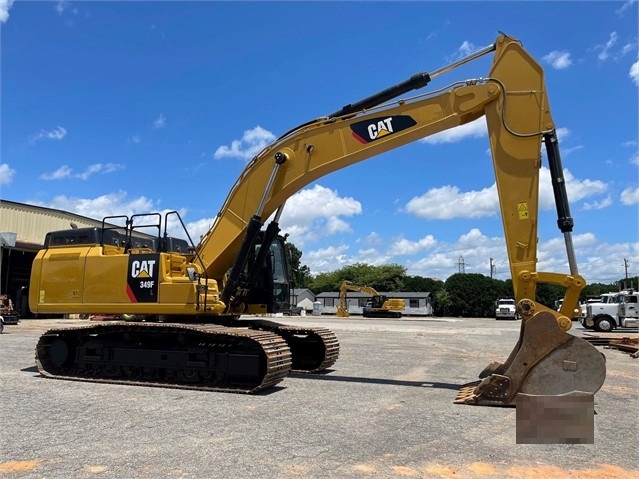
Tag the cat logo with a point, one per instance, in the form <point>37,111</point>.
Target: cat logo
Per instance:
<point>383,127</point>
<point>142,269</point>
<point>376,128</point>
<point>143,280</point>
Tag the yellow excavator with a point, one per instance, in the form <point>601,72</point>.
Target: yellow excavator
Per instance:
<point>380,305</point>
<point>191,298</point>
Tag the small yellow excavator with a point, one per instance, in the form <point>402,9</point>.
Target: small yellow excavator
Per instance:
<point>380,306</point>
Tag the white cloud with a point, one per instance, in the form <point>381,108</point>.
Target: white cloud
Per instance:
<point>373,238</point>
<point>620,11</point>
<point>252,142</point>
<point>576,189</point>
<point>598,205</point>
<point>434,33</point>
<point>5,6</point>
<point>609,50</point>
<point>448,202</point>
<point>326,259</point>
<point>61,6</point>
<point>567,151</point>
<point>597,261</point>
<point>634,159</point>
<point>106,205</point>
<point>634,73</point>
<point>56,134</point>
<point>630,196</point>
<point>627,48</point>
<point>475,129</point>
<point>474,249</point>
<point>99,168</point>
<point>465,49</point>
<point>438,265</point>
<point>159,122</point>
<point>6,174</point>
<point>406,247</point>
<point>196,228</point>
<point>562,133</point>
<point>316,212</point>
<point>63,172</point>
<point>558,59</point>
<point>135,139</point>
<point>604,50</point>
<point>336,225</point>
<point>67,172</point>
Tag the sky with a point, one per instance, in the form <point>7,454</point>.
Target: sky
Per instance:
<point>112,108</point>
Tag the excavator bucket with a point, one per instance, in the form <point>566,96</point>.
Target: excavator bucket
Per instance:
<point>545,361</point>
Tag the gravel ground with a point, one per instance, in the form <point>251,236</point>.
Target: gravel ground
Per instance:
<point>385,411</point>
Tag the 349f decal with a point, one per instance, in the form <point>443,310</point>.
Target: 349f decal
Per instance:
<point>375,128</point>
<point>142,281</point>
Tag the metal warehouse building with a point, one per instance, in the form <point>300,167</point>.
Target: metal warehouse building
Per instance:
<point>22,231</point>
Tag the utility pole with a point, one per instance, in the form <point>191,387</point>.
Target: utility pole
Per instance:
<point>492,268</point>
<point>462,265</point>
<point>625,265</point>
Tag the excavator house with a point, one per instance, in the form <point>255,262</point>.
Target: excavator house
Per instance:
<point>190,309</point>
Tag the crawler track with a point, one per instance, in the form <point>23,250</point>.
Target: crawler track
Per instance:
<point>186,356</point>
<point>314,349</point>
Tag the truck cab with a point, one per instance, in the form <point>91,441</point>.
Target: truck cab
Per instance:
<point>506,309</point>
<point>614,310</point>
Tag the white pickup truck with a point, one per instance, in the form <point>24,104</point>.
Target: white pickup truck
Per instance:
<point>506,309</point>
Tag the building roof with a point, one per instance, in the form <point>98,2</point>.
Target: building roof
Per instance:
<point>298,291</point>
<point>393,294</point>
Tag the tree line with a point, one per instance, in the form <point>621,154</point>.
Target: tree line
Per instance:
<point>461,295</point>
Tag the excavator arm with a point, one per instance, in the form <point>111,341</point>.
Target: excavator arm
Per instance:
<point>514,102</point>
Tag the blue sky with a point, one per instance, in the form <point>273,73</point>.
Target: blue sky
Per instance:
<point>129,107</point>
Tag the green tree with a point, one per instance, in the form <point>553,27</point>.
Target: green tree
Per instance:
<point>382,278</point>
<point>442,302</point>
<point>419,283</point>
<point>300,273</point>
<point>324,282</point>
<point>548,293</point>
<point>473,294</point>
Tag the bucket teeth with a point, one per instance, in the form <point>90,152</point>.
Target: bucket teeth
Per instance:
<point>466,394</point>
<point>493,390</point>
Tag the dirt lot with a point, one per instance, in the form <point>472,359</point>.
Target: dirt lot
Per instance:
<point>385,411</point>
